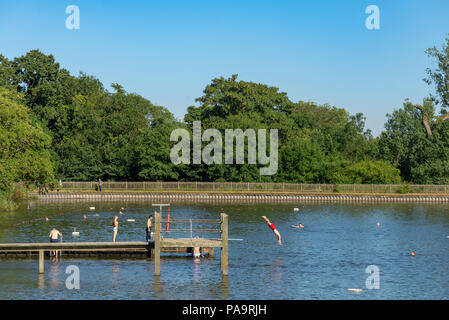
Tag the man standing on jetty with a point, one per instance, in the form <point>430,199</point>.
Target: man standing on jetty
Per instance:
<point>148,228</point>
<point>272,227</point>
<point>55,238</point>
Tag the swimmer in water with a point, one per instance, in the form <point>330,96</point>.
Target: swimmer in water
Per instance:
<point>196,252</point>
<point>412,253</point>
<point>299,226</point>
<point>272,227</point>
<point>115,228</point>
<point>378,224</point>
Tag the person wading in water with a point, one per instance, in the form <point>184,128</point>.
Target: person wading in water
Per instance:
<point>115,228</point>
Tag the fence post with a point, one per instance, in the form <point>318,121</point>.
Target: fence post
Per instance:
<point>157,244</point>
<point>224,243</point>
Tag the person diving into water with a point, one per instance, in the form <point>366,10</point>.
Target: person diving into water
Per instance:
<point>275,231</point>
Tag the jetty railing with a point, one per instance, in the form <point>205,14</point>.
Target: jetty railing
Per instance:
<point>191,242</point>
<point>250,187</point>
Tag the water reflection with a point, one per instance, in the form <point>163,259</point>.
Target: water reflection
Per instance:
<point>224,287</point>
<point>196,269</point>
<point>158,287</point>
<point>41,281</point>
<point>115,271</point>
<point>54,274</point>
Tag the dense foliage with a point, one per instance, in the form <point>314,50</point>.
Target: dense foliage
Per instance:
<point>56,125</point>
<point>24,149</point>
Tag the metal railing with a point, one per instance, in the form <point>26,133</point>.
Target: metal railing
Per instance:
<point>251,187</point>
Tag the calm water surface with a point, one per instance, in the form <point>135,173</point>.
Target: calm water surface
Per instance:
<point>320,261</point>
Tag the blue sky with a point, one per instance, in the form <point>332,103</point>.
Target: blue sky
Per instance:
<point>168,51</point>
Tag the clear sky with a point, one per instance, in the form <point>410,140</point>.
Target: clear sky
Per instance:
<point>168,51</point>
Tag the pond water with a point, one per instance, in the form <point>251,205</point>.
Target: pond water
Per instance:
<point>321,261</point>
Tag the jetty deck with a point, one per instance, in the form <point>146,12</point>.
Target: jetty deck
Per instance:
<point>151,249</point>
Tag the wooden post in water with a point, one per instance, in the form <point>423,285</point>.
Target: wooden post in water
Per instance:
<point>41,261</point>
<point>157,243</point>
<point>224,240</point>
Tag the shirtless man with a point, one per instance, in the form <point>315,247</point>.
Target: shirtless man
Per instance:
<point>196,252</point>
<point>54,238</point>
<point>148,228</point>
<point>299,226</point>
<point>115,228</point>
<point>272,227</point>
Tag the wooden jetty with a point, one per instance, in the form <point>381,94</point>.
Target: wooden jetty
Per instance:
<point>151,249</point>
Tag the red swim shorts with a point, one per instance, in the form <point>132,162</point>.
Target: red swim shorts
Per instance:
<point>272,226</point>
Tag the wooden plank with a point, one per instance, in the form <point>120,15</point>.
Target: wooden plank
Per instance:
<point>157,244</point>
<point>187,242</point>
<point>41,261</point>
<point>117,246</point>
<point>72,245</point>
<point>224,240</point>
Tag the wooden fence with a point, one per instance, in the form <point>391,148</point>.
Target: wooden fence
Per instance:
<point>251,187</point>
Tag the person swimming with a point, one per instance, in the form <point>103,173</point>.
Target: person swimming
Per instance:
<point>299,226</point>
<point>275,231</point>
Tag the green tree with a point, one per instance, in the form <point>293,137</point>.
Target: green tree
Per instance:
<point>439,77</point>
<point>24,147</point>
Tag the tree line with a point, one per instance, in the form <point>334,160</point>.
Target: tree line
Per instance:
<point>54,125</point>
